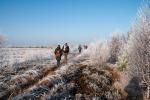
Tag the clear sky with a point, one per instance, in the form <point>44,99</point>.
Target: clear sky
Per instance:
<point>42,22</point>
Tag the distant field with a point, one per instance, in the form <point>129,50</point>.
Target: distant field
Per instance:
<point>17,55</point>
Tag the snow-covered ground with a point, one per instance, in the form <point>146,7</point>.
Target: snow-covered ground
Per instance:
<point>17,55</point>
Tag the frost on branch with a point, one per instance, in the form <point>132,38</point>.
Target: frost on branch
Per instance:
<point>138,47</point>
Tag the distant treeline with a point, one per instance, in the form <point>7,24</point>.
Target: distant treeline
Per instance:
<point>30,47</point>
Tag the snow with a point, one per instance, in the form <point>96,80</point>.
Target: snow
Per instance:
<point>18,55</point>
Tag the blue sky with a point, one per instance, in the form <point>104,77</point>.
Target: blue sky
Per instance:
<point>45,22</point>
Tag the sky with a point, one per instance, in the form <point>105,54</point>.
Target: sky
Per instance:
<point>45,22</point>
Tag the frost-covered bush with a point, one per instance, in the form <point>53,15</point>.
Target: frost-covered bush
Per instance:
<point>98,53</point>
<point>122,57</point>
<point>98,83</point>
<point>116,43</point>
<point>138,47</point>
<point>122,61</point>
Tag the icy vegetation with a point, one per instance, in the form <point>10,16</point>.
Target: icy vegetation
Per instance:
<point>18,55</point>
<point>115,69</point>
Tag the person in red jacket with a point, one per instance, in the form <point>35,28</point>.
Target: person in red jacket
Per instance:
<point>58,54</point>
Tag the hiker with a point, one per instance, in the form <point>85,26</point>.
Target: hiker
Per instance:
<point>80,48</point>
<point>58,54</point>
<point>85,46</point>
<point>66,51</point>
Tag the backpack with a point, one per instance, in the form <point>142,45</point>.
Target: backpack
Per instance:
<point>66,49</point>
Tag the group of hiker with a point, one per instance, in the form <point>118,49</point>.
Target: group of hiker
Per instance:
<point>61,51</point>
<point>64,51</point>
<point>80,48</point>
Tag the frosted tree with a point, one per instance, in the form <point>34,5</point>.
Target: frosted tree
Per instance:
<point>138,48</point>
<point>116,44</point>
<point>99,53</point>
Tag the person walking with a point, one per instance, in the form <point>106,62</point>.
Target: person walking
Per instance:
<point>85,46</point>
<point>66,52</point>
<point>58,54</point>
<point>80,48</point>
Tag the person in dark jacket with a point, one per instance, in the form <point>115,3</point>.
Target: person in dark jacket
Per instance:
<point>80,48</point>
<point>66,52</point>
<point>58,54</point>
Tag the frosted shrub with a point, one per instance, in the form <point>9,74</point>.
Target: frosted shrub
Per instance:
<point>116,43</point>
<point>122,56</point>
<point>98,53</point>
<point>122,61</point>
<point>138,47</point>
